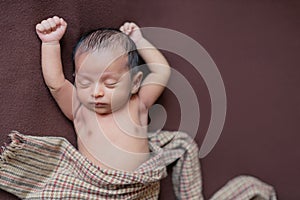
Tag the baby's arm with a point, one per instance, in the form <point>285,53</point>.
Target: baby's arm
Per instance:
<point>154,84</point>
<point>50,31</point>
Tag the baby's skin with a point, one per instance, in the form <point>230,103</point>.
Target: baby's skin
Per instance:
<point>108,106</point>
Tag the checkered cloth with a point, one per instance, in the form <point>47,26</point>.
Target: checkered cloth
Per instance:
<point>51,168</point>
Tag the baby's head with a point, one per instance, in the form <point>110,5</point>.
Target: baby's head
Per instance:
<point>108,39</point>
<point>106,67</point>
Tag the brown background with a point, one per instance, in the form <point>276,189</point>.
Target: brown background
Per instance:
<point>255,44</point>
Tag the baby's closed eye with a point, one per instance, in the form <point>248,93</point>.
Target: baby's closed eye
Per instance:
<point>110,83</point>
<point>84,83</point>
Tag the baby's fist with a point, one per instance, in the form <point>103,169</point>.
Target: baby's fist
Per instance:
<point>132,30</point>
<point>51,30</point>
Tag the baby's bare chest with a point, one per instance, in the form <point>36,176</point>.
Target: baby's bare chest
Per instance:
<point>117,141</point>
<point>126,129</point>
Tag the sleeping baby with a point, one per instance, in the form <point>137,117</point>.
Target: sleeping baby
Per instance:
<point>110,99</point>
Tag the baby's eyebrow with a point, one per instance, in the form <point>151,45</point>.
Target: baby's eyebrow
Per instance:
<point>105,75</point>
<point>83,76</point>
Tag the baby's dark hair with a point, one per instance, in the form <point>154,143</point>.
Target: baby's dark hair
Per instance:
<point>108,38</point>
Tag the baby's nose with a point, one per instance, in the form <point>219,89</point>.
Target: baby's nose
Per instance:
<point>98,91</point>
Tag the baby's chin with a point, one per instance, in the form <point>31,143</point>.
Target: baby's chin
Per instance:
<point>102,111</point>
<point>105,109</point>
<point>99,110</point>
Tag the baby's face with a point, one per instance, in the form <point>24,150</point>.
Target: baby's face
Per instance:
<point>103,81</point>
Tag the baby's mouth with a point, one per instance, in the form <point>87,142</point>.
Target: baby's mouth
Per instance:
<point>99,105</point>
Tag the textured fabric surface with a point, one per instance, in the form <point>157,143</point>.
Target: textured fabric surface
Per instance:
<point>35,167</point>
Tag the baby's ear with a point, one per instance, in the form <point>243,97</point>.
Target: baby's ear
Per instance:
<point>136,82</point>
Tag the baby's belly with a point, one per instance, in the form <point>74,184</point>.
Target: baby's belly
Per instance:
<point>125,162</point>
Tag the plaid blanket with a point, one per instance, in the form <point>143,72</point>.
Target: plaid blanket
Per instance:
<point>34,167</point>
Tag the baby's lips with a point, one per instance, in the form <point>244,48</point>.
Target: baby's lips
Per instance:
<point>100,105</point>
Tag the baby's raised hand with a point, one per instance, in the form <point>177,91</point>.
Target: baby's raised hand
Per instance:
<point>51,30</point>
<point>132,30</point>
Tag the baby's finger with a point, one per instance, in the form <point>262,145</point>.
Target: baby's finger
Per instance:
<point>46,25</point>
<point>56,20</point>
<point>133,25</point>
<point>126,26</point>
<point>52,24</point>
<point>39,28</point>
<point>63,22</point>
<point>131,28</point>
<point>123,30</point>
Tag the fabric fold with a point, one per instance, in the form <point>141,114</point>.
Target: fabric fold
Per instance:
<point>33,167</point>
